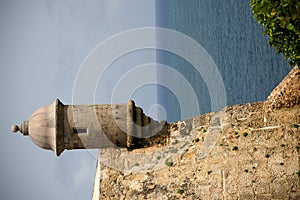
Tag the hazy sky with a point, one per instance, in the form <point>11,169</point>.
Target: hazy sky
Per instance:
<point>43,44</point>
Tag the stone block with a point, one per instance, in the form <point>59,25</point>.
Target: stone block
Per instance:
<point>246,193</point>
<point>279,189</point>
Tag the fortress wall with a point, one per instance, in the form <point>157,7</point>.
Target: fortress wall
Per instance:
<point>248,151</point>
<point>238,162</point>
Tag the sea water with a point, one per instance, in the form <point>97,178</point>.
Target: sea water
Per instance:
<point>233,39</point>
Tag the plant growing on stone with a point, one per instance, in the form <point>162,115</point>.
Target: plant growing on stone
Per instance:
<point>235,148</point>
<point>295,125</point>
<point>209,172</point>
<point>169,163</point>
<point>180,191</point>
<point>245,134</point>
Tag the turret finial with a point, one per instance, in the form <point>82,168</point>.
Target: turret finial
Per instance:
<point>23,128</point>
<point>15,128</point>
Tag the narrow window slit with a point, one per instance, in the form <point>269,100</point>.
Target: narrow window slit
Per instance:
<point>80,130</point>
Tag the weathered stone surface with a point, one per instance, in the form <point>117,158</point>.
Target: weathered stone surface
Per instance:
<point>287,93</point>
<point>242,152</point>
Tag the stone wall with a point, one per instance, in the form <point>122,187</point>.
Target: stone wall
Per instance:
<point>287,93</point>
<point>248,151</point>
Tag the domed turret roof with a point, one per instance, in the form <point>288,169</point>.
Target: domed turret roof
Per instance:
<point>44,127</point>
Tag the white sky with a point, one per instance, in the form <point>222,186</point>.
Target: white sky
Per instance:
<point>43,44</point>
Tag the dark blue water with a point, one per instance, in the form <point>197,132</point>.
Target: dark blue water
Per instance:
<point>249,67</point>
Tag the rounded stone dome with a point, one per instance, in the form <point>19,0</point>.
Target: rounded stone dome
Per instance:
<point>44,127</point>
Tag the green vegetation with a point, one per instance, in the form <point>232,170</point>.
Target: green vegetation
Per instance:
<point>246,170</point>
<point>169,163</point>
<point>204,130</point>
<point>235,148</point>
<point>298,148</point>
<point>282,145</point>
<point>295,125</point>
<point>267,155</point>
<point>136,164</point>
<point>196,140</point>
<point>298,173</point>
<point>281,21</point>
<point>180,191</point>
<point>209,172</point>
<point>245,134</point>
<point>158,157</point>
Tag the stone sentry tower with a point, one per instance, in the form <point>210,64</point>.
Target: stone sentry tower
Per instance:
<point>58,127</point>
